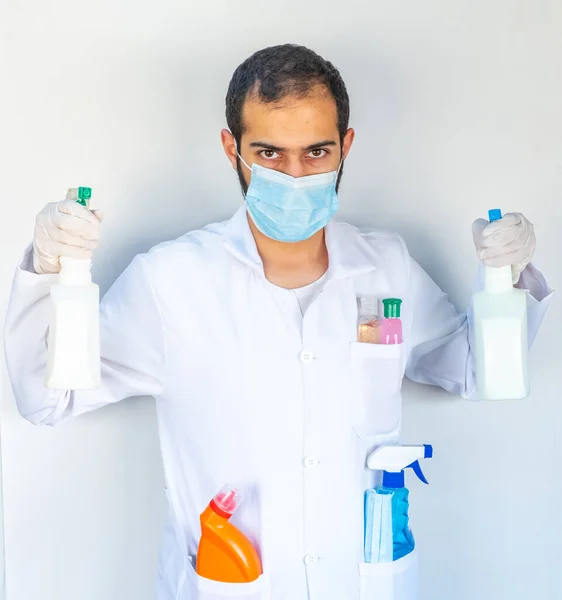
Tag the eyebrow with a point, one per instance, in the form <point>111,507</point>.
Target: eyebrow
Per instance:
<point>273,148</point>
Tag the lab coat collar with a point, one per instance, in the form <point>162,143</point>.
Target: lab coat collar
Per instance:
<point>349,253</point>
<point>239,240</point>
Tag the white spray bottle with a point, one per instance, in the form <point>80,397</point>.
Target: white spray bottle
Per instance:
<point>73,361</point>
<point>500,335</point>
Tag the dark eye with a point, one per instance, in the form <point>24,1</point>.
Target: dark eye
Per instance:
<point>269,154</point>
<point>318,153</point>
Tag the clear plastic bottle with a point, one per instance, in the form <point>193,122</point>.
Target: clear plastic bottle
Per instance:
<point>391,325</point>
<point>368,325</point>
<point>402,538</point>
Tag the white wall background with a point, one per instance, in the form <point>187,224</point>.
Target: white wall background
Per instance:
<point>457,107</point>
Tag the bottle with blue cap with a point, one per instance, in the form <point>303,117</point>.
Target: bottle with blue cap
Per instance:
<point>500,335</point>
<point>388,536</point>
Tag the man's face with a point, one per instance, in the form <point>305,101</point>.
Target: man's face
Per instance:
<point>298,136</point>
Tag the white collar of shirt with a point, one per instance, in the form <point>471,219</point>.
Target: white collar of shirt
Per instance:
<point>348,252</point>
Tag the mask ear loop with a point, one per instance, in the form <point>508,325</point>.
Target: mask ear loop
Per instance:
<point>240,157</point>
<point>244,162</point>
<point>341,165</point>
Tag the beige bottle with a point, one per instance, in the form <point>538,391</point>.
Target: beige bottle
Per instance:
<point>368,325</point>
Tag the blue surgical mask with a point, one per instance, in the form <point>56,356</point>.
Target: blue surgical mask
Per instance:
<point>290,209</point>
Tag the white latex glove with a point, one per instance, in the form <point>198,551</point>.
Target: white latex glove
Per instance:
<point>507,241</point>
<point>64,229</point>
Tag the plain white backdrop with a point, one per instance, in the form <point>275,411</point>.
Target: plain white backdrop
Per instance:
<point>457,109</point>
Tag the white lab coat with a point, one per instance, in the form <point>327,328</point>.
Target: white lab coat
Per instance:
<point>250,391</point>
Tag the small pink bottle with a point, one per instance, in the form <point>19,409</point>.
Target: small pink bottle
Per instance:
<point>391,325</point>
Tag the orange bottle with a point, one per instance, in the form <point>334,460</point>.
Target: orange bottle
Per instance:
<point>225,553</point>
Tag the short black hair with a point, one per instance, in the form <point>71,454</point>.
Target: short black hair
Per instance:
<point>283,71</point>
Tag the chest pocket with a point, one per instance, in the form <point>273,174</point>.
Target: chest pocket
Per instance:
<point>376,372</point>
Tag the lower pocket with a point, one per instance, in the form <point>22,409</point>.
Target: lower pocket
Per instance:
<point>199,588</point>
<point>396,580</point>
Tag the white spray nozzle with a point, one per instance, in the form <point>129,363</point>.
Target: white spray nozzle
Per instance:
<point>394,459</point>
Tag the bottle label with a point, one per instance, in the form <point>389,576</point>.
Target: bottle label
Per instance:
<point>73,346</point>
<point>502,372</point>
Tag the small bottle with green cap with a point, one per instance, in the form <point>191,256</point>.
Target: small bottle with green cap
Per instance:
<point>391,325</point>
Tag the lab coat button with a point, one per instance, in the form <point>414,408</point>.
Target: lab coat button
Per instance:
<point>310,559</point>
<point>306,357</point>
<point>310,462</point>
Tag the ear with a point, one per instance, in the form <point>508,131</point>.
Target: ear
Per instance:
<point>229,145</point>
<point>347,142</point>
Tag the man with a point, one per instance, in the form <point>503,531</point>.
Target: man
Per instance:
<point>245,332</point>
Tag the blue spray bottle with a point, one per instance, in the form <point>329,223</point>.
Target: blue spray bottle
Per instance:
<point>388,536</point>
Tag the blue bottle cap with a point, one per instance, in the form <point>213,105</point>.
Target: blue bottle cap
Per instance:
<point>495,214</point>
<point>393,480</point>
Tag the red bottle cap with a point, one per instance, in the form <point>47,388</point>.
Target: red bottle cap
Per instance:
<point>226,501</point>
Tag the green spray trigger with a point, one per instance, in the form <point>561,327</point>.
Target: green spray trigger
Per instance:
<point>84,195</point>
<point>81,195</point>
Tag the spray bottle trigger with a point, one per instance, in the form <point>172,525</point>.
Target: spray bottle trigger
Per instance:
<point>417,470</point>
